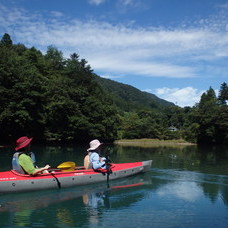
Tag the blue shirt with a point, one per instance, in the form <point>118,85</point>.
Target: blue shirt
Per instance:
<point>95,160</point>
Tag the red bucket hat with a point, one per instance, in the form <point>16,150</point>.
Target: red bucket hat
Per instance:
<point>22,142</point>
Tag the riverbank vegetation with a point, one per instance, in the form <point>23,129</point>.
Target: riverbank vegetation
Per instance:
<point>153,143</point>
<point>53,98</point>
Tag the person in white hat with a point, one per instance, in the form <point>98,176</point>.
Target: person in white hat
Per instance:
<point>93,160</point>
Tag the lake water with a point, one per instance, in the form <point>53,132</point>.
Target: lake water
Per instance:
<point>187,186</point>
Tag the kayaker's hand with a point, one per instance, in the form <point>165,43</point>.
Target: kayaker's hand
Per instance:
<point>102,159</point>
<point>47,167</point>
<point>41,170</point>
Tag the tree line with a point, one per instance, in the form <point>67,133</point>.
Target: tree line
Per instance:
<point>53,98</point>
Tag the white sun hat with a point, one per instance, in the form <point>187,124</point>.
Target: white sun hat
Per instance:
<point>93,145</point>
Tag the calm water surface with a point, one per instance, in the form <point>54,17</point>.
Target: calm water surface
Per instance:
<point>187,186</point>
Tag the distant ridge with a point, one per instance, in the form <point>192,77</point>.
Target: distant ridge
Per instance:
<point>129,98</point>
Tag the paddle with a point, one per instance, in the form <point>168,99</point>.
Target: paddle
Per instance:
<point>67,166</point>
<point>108,168</point>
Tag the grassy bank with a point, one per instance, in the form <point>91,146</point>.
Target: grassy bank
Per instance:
<point>151,142</point>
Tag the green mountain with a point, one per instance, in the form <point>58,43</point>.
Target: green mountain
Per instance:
<point>128,98</point>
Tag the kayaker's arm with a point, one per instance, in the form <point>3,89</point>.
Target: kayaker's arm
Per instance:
<point>40,170</point>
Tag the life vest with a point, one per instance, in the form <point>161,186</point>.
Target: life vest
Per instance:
<point>15,164</point>
<point>87,163</point>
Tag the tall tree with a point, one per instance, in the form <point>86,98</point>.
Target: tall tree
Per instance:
<point>55,58</point>
<point>223,94</point>
<point>208,110</point>
<point>6,40</point>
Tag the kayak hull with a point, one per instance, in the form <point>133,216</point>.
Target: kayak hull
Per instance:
<point>11,181</point>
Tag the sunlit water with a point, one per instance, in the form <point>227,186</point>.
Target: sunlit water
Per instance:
<point>186,187</point>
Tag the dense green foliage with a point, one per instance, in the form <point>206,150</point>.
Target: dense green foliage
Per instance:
<point>145,117</point>
<point>53,98</point>
<point>207,121</point>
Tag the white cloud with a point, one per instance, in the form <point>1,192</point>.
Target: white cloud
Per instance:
<point>134,66</point>
<point>224,6</point>
<point>56,13</point>
<point>124,50</point>
<point>127,2</point>
<point>187,96</point>
<point>96,2</point>
<point>111,76</point>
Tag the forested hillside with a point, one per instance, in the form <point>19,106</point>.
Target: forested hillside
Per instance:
<point>128,98</point>
<point>52,98</point>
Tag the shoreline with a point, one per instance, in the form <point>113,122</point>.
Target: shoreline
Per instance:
<point>136,142</point>
<point>152,142</point>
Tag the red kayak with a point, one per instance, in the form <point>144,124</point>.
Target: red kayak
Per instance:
<point>11,181</point>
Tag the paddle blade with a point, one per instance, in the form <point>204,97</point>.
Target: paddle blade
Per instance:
<point>67,166</point>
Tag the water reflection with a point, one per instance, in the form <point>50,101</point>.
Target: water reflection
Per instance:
<point>184,190</point>
<point>170,190</point>
<point>94,203</point>
<point>21,218</point>
<point>186,185</point>
<point>90,194</point>
<point>68,206</point>
<point>191,186</point>
<point>206,159</point>
<point>65,217</point>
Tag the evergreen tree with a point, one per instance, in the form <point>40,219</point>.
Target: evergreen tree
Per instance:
<point>223,94</point>
<point>6,40</point>
<point>208,109</point>
<point>54,58</point>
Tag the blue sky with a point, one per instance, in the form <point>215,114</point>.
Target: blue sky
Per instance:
<point>175,49</point>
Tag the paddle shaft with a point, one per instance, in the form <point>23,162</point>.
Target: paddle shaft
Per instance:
<point>108,168</point>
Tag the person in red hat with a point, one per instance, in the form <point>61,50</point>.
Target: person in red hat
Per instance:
<point>23,159</point>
